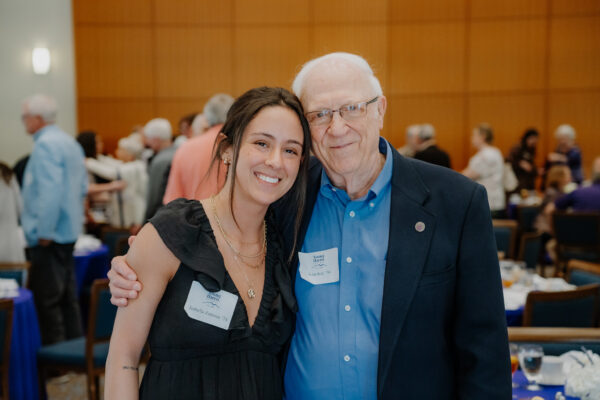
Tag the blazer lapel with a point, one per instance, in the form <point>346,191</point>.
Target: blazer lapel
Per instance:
<point>411,230</point>
<point>312,190</point>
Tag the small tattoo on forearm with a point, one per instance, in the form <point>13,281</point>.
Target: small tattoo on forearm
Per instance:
<point>130,367</point>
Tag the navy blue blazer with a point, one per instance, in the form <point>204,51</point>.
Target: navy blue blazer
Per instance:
<point>443,326</point>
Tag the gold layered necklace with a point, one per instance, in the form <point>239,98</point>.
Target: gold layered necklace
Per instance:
<point>237,255</point>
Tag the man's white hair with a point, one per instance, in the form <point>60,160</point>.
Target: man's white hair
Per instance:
<point>132,145</point>
<point>336,59</point>
<point>413,130</point>
<point>427,132</point>
<point>199,124</point>
<point>43,106</point>
<point>565,130</point>
<point>215,110</point>
<point>158,128</point>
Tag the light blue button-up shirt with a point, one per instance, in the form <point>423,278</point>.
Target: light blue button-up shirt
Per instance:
<point>54,187</point>
<point>334,350</point>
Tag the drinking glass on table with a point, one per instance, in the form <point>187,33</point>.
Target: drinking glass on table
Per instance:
<point>530,358</point>
<point>507,273</point>
<point>514,360</point>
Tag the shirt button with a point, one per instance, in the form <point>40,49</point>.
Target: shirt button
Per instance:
<point>371,204</point>
<point>348,260</point>
<point>352,214</point>
<point>347,308</point>
<point>347,358</point>
<point>333,189</point>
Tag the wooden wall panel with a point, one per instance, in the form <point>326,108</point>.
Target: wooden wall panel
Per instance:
<point>173,110</point>
<point>427,10</point>
<point>575,53</point>
<point>507,55</point>
<point>582,111</point>
<point>113,119</point>
<point>269,56</point>
<point>369,41</point>
<point>508,8</point>
<point>514,63</point>
<point>445,113</point>
<point>575,7</point>
<point>114,62</point>
<point>207,12</point>
<point>350,11</point>
<point>193,62</point>
<point>427,58</point>
<point>509,116</point>
<point>271,12</point>
<point>112,11</point>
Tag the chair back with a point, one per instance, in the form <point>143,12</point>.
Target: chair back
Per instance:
<point>102,313</point>
<point>505,232</point>
<point>530,249</point>
<point>6,322</point>
<point>526,216</point>
<point>16,271</point>
<point>582,273</point>
<point>577,235</point>
<point>110,237</point>
<point>571,308</point>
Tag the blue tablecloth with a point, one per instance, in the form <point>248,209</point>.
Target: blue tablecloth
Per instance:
<point>547,392</point>
<point>514,317</point>
<point>25,342</point>
<point>89,266</point>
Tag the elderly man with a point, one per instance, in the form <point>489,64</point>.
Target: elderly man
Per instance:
<point>412,141</point>
<point>567,153</point>
<point>428,148</point>
<point>190,176</point>
<point>54,187</point>
<point>397,277</point>
<point>158,136</point>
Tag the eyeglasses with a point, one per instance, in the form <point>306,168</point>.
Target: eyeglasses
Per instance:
<point>349,112</point>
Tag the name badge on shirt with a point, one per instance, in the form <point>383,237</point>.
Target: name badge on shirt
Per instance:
<point>320,267</point>
<point>213,308</point>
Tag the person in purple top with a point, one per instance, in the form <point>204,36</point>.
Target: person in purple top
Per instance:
<point>585,198</point>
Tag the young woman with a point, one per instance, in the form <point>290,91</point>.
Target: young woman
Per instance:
<point>217,300</point>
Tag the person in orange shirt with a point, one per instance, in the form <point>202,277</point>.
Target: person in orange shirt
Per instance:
<point>190,176</point>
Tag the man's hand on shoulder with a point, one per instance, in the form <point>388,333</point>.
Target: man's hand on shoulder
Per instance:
<point>123,282</point>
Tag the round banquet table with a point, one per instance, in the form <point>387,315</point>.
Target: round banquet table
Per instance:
<point>25,342</point>
<point>90,265</point>
<point>547,392</point>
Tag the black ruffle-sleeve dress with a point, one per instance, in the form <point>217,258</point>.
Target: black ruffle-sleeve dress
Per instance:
<point>195,360</point>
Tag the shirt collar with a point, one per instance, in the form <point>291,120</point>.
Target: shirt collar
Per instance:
<point>39,133</point>
<point>384,178</point>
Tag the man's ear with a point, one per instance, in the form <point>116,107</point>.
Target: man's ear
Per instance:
<point>381,108</point>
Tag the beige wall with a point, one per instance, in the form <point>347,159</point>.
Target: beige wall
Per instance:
<point>453,63</point>
<point>25,24</point>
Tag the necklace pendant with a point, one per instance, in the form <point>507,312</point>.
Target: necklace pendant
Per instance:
<point>251,293</point>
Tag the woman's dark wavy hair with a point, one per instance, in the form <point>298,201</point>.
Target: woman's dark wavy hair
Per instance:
<point>87,140</point>
<point>241,113</point>
<point>529,133</point>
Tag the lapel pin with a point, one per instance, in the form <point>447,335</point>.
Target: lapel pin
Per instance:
<point>420,226</point>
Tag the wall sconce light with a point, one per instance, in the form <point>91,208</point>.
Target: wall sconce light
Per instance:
<point>40,59</point>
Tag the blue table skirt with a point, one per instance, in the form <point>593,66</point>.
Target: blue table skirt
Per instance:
<point>547,392</point>
<point>89,266</point>
<point>514,317</point>
<point>25,342</point>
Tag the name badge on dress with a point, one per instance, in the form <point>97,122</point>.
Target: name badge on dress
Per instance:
<point>320,267</point>
<point>213,308</point>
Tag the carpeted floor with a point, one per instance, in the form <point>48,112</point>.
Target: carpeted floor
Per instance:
<point>73,386</point>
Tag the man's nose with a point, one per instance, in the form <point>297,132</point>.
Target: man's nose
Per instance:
<point>337,124</point>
